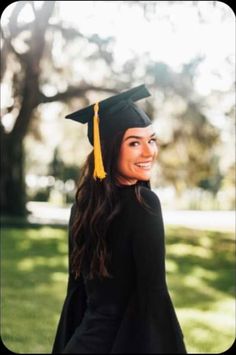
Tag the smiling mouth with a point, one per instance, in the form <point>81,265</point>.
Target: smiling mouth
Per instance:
<point>145,166</point>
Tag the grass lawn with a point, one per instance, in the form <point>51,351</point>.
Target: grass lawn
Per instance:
<point>200,275</point>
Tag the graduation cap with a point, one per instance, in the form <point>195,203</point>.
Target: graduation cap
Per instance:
<point>108,117</point>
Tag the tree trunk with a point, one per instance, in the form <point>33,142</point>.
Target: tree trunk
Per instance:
<point>13,194</point>
<point>13,190</point>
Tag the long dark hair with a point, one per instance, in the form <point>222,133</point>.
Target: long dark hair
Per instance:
<point>97,204</point>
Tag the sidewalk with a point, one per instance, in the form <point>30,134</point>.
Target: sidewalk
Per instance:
<point>207,220</point>
<point>45,213</point>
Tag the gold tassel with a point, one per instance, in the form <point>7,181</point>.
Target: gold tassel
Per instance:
<point>98,163</point>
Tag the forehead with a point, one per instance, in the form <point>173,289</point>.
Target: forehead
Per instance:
<point>139,131</point>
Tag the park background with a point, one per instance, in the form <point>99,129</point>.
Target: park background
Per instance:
<point>59,56</point>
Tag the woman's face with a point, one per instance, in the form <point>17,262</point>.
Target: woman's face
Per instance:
<point>137,153</point>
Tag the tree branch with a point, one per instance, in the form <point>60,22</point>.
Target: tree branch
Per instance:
<point>73,92</point>
<point>13,21</point>
<point>32,71</point>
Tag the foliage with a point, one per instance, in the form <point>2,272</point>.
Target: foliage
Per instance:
<point>50,67</point>
<point>60,170</point>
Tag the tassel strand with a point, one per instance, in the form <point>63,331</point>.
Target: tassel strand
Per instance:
<point>99,171</point>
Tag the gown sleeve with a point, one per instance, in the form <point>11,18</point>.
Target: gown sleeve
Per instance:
<point>74,305</point>
<point>150,324</point>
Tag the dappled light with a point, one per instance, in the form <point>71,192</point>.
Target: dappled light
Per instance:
<point>202,282</point>
<point>200,276</point>
<point>186,249</point>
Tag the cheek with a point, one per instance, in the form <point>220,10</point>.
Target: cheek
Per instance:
<point>122,163</point>
<point>126,158</point>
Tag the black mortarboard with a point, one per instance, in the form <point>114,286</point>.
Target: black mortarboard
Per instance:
<point>116,113</point>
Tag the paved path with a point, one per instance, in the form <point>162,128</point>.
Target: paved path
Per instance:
<point>211,220</point>
<point>214,220</point>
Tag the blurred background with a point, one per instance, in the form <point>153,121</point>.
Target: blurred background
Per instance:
<point>59,56</point>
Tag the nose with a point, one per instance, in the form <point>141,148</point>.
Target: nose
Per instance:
<point>149,150</point>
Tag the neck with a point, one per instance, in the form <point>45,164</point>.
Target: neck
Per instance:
<point>125,181</point>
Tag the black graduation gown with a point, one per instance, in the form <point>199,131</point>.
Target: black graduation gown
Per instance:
<point>133,311</point>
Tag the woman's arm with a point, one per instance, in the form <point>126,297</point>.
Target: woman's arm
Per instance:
<point>157,317</point>
<point>149,242</point>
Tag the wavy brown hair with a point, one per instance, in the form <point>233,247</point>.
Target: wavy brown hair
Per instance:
<point>97,203</point>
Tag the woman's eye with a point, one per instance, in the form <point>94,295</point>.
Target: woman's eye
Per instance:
<point>134,144</point>
<point>153,141</point>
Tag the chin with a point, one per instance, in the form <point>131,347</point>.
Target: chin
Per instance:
<point>144,177</point>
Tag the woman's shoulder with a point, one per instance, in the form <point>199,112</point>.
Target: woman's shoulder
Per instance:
<point>145,204</point>
<point>146,215</point>
<point>150,197</point>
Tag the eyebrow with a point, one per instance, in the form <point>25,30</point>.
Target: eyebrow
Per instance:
<point>140,137</point>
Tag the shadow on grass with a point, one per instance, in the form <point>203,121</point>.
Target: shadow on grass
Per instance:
<point>200,273</point>
<point>201,279</point>
<point>204,261</point>
<point>34,254</point>
<point>34,275</point>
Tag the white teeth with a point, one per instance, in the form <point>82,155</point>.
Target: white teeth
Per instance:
<point>144,165</point>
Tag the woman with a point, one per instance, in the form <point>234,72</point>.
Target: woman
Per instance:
<point>117,298</point>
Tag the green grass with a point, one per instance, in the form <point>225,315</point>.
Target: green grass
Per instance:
<point>201,278</point>
<point>200,275</point>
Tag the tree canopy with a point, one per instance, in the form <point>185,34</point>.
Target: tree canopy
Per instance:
<point>46,61</point>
